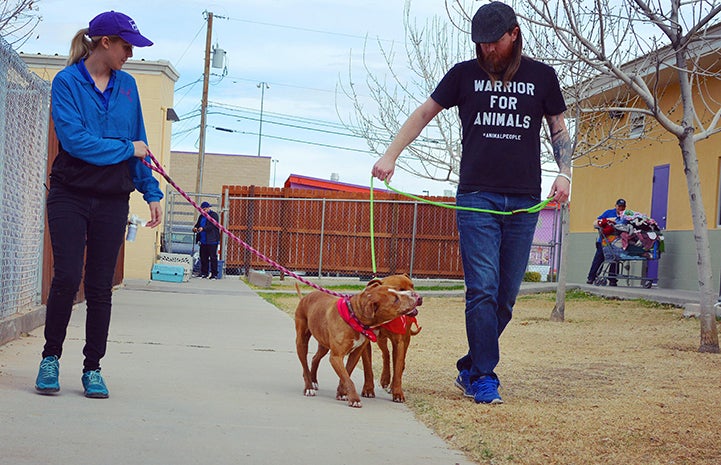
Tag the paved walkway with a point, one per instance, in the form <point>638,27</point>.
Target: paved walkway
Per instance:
<point>205,372</point>
<point>201,373</point>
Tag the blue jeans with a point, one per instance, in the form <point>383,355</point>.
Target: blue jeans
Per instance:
<point>83,225</point>
<point>494,251</point>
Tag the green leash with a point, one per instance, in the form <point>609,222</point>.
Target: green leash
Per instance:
<point>373,239</point>
<point>534,209</point>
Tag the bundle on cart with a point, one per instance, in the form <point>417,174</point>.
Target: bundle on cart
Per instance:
<point>634,236</point>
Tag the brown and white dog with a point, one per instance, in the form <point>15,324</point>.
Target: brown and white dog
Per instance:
<point>399,332</point>
<point>319,315</point>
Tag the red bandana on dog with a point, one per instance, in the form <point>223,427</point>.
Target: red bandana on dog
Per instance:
<point>400,324</point>
<point>346,312</point>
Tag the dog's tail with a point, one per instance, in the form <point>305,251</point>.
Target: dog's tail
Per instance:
<point>297,289</point>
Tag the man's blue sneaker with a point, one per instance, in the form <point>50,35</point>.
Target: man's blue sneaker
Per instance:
<point>94,385</point>
<point>485,390</point>
<point>463,382</point>
<point>47,380</point>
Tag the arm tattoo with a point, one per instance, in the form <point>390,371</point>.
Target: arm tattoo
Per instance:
<point>562,145</point>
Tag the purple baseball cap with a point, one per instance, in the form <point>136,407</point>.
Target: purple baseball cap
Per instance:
<point>112,23</point>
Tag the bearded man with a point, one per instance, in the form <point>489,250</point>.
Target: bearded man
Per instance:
<point>502,97</point>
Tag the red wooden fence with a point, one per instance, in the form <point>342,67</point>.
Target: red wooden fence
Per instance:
<point>329,232</point>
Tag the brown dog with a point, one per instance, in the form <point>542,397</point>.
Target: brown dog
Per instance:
<point>318,315</point>
<point>399,332</point>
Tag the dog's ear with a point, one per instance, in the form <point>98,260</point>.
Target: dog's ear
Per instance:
<point>373,282</point>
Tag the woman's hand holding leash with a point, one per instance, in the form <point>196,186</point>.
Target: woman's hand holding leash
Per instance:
<point>141,149</point>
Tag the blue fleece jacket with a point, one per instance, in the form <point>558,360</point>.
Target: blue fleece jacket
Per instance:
<point>96,143</point>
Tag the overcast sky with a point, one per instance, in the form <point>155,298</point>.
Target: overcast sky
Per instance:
<point>301,49</point>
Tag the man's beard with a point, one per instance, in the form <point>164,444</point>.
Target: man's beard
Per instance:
<point>498,64</point>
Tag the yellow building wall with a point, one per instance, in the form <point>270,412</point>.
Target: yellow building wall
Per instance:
<point>219,170</point>
<point>627,172</point>
<point>156,82</point>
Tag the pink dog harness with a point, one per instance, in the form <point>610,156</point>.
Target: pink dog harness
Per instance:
<point>346,312</point>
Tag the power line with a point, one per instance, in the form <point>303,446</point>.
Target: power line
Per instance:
<point>304,29</point>
<point>190,44</point>
<point>288,139</point>
<point>280,84</point>
<point>303,119</point>
<point>304,128</point>
<point>308,121</point>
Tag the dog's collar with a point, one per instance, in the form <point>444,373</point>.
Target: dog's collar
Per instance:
<point>346,312</point>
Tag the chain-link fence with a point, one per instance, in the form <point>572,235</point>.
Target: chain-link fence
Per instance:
<point>24,116</point>
<point>329,234</point>
<point>177,235</point>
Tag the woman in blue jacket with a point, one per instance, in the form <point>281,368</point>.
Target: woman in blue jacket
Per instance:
<point>99,125</point>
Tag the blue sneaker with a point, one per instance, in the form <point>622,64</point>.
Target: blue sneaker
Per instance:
<point>47,380</point>
<point>94,385</point>
<point>485,390</point>
<point>463,382</point>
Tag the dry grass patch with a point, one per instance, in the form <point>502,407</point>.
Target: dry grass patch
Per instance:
<point>617,383</point>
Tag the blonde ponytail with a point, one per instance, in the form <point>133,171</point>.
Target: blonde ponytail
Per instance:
<point>80,47</point>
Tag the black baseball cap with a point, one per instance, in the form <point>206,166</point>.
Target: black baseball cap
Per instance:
<point>491,21</point>
<point>621,202</point>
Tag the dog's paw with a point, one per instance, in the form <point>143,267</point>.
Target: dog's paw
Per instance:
<point>400,398</point>
<point>310,392</point>
<point>370,393</point>
<point>315,385</point>
<point>355,403</point>
<point>341,397</point>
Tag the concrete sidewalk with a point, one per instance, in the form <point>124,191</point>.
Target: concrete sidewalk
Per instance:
<point>203,372</point>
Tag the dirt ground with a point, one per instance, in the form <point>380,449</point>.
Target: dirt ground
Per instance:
<point>619,382</point>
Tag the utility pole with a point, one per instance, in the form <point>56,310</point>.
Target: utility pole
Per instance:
<point>204,104</point>
<point>262,85</point>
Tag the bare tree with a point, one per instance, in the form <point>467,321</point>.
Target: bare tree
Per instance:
<point>602,35</point>
<point>558,313</point>
<point>18,19</point>
<point>383,102</point>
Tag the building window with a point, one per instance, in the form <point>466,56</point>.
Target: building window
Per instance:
<point>637,121</point>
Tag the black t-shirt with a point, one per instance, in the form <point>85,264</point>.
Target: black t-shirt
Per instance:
<point>501,124</point>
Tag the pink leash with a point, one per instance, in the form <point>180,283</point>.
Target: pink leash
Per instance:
<point>159,169</point>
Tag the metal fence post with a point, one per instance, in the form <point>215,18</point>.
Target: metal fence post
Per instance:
<point>225,211</point>
<point>554,258</point>
<point>322,237</point>
<point>413,239</point>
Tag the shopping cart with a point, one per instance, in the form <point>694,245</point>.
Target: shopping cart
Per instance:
<point>636,239</point>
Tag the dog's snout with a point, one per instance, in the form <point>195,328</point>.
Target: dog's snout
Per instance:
<point>419,299</point>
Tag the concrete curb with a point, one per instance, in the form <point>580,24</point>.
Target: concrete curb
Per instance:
<point>13,327</point>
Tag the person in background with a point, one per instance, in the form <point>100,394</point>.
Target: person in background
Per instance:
<point>502,98</point>
<point>102,142</point>
<point>614,215</point>
<point>208,235</point>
